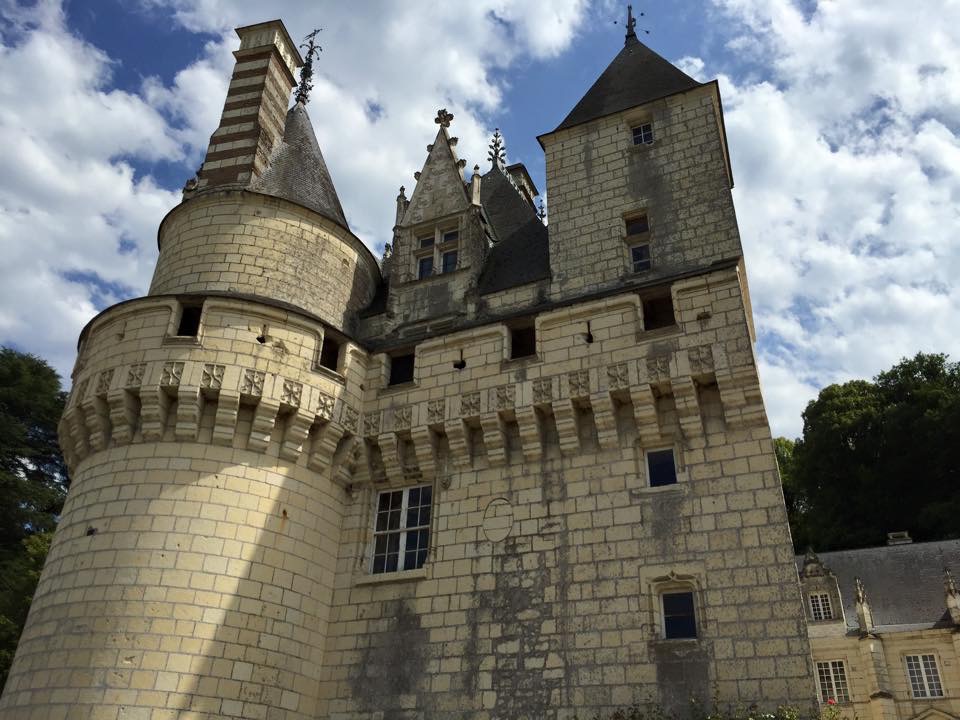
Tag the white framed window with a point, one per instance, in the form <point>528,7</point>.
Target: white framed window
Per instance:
<point>401,529</point>
<point>642,134</point>
<point>820,606</point>
<point>832,681</point>
<point>661,467</point>
<point>679,615</point>
<point>924,676</point>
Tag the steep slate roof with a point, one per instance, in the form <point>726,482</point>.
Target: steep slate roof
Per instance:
<point>904,583</point>
<point>636,76</point>
<point>297,172</point>
<point>521,254</point>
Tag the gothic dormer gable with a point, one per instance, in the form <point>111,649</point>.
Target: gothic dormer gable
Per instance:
<point>440,190</point>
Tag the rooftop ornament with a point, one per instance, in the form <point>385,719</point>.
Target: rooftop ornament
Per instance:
<point>632,25</point>
<point>443,118</point>
<point>498,150</point>
<point>312,50</point>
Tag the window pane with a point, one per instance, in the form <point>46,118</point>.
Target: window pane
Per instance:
<point>934,688</point>
<point>679,620</point>
<point>662,468</point>
<point>425,268</point>
<point>426,241</point>
<point>640,256</point>
<point>840,682</point>
<point>451,236</point>
<point>450,261</point>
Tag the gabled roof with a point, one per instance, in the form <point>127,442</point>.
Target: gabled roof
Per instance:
<point>297,171</point>
<point>522,252</point>
<point>636,76</point>
<point>904,583</point>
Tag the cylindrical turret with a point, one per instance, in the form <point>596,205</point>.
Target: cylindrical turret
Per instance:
<point>192,571</point>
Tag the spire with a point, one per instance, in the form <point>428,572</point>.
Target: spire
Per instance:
<point>631,25</point>
<point>498,150</point>
<point>952,595</point>
<point>306,72</point>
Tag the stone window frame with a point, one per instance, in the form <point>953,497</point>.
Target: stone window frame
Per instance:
<point>823,605</point>
<point>637,240</point>
<point>928,675</point>
<point>342,348</point>
<point>177,309</point>
<point>828,669</point>
<point>676,466</point>
<point>433,242</point>
<point>402,532</point>
<point>671,583</point>
<point>641,132</point>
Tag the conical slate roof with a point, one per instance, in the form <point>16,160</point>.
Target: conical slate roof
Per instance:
<point>636,76</point>
<point>297,172</point>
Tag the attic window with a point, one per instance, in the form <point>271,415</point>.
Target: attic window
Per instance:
<point>643,134</point>
<point>658,313</point>
<point>637,229</point>
<point>189,324</point>
<point>436,252</point>
<point>523,342</point>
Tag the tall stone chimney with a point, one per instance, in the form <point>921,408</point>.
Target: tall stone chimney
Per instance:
<point>253,115</point>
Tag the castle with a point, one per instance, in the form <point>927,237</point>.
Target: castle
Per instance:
<point>510,471</point>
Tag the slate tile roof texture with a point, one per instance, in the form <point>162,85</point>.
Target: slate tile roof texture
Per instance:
<point>297,171</point>
<point>636,76</point>
<point>521,254</point>
<point>904,583</point>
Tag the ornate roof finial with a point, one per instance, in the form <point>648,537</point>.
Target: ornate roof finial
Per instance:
<point>952,596</point>
<point>812,566</point>
<point>949,584</point>
<point>498,150</point>
<point>306,72</point>
<point>443,118</point>
<point>541,209</point>
<point>632,25</point>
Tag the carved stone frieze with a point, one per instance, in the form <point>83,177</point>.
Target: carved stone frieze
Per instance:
<point>212,376</point>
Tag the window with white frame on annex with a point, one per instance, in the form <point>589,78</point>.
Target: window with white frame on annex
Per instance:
<point>924,676</point>
<point>637,237</point>
<point>820,606</point>
<point>642,133</point>
<point>401,531</point>
<point>832,681</point>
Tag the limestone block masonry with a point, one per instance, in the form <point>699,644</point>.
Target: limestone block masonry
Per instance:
<point>600,516</point>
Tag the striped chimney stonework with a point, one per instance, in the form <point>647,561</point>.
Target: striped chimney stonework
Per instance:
<point>255,108</point>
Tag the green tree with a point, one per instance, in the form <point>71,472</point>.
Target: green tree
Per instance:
<point>878,456</point>
<point>33,483</point>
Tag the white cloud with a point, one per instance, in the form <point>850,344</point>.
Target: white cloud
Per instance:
<point>847,164</point>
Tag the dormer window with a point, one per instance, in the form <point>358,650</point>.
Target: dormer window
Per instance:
<point>642,134</point>
<point>436,251</point>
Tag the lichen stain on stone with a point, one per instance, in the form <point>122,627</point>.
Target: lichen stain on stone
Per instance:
<point>683,673</point>
<point>394,664</point>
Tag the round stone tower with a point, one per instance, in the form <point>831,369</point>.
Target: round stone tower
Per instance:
<point>192,571</point>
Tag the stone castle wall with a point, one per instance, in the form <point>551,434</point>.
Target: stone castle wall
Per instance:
<point>259,245</point>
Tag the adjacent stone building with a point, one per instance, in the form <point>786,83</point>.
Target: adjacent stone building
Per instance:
<point>509,471</point>
<point>884,627</point>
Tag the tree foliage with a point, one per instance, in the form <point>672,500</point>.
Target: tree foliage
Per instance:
<point>877,457</point>
<point>33,482</point>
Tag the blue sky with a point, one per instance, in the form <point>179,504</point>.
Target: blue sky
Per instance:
<point>843,122</point>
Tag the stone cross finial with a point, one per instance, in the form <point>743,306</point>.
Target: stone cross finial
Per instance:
<point>631,23</point>
<point>541,209</point>
<point>498,150</point>
<point>306,72</point>
<point>443,118</point>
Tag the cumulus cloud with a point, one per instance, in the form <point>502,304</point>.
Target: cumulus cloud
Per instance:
<point>846,162</point>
